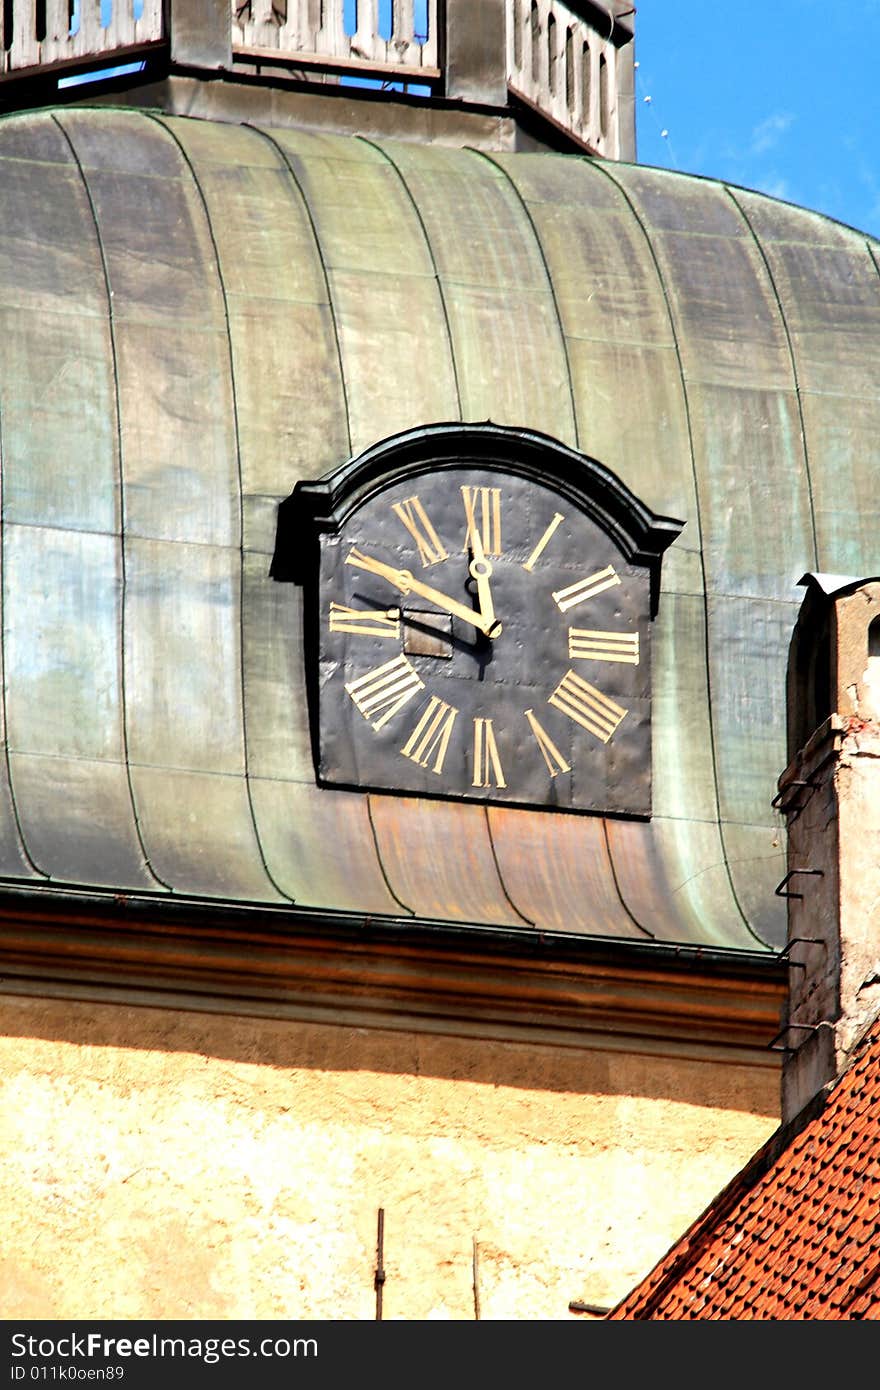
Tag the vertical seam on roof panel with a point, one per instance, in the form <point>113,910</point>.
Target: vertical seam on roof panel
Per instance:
<point>552,289</point>
<point>687,411</point>
<point>631,915</point>
<point>523,917</point>
<point>319,250</point>
<point>574,416</point>
<point>794,371</point>
<point>529,921</point>
<point>23,846</point>
<point>241,635</point>
<point>439,282</point>
<point>380,861</point>
<point>869,246</point>
<point>122,565</point>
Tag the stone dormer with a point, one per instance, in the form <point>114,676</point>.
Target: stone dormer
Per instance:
<point>830,794</point>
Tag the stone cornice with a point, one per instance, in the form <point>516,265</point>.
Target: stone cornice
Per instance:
<point>383,973</point>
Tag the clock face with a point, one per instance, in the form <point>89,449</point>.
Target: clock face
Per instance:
<point>480,637</point>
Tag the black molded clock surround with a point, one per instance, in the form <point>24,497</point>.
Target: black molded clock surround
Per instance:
<point>554,711</point>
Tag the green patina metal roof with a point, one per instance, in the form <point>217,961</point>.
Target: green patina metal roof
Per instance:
<point>193,316</point>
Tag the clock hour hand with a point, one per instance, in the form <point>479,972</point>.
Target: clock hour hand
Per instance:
<point>407,583</point>
<point>481,572</point>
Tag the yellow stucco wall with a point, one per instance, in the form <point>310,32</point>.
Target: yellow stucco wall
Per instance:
<point>164,1164</point>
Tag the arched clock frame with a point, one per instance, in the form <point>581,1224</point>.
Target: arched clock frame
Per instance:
<point>478,612</point>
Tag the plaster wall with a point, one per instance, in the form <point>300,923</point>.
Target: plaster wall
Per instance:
<point>164,1164</point>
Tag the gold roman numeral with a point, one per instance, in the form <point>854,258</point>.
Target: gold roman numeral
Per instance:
<point>385,690</point>
<point>587,706</point>
<point>585,644</point>
<point>586,588</point>
<point>487,764</point>
<point>365,622</point>
<point>430,738</point>
<point>538,550</point>
<point>415,519</point>
<point>486,501</point>
<point>552,756</point>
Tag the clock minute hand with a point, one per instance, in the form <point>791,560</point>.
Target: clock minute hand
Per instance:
<point>407,583</point>
<point>481,572</point>
<point>372,566</point>
<point>458,610</point>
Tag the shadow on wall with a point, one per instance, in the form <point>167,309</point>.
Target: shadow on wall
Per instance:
<point>593,1068</point>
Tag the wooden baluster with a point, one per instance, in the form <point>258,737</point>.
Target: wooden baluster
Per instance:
<point>150,24</point>
<point>332,39</point>
<point>90,38</point>
<point>366,42</point>
<point>401,47</point>
<point>23,52</point>
<point>303,23</point>
<point>430,49</point>
<point>57,43</point>
<point>264,23</point>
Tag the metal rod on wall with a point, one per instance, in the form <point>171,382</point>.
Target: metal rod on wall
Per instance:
<point>379,1280</point>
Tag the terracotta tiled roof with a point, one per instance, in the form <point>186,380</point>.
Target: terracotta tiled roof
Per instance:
<point>797,1233</point>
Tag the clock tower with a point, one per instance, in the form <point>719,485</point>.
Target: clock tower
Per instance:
<point>404,498</point>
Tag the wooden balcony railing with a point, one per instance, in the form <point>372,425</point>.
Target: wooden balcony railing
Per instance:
<point>570,61</point>
<point>564,68</point>
<point>394,39</point>
<point>40,34</point>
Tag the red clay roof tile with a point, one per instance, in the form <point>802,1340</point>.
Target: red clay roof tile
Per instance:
<point>795,1235</point>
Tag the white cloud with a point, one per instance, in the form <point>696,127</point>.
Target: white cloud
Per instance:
<point>767,133</point>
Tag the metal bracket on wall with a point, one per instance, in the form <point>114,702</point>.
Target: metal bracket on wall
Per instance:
<point>782,892</point>
<point>784,954</point>
<point>791,1028</point>
<point>791,806</point>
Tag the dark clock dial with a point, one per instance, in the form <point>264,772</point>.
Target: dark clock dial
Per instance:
<point>481,637</point>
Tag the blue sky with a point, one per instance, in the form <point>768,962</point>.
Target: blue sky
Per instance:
<point>778,95</point>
